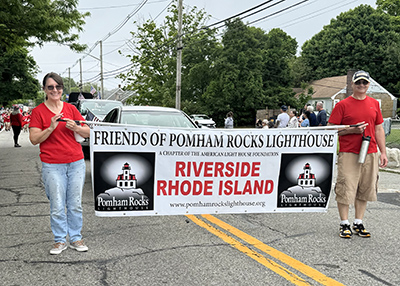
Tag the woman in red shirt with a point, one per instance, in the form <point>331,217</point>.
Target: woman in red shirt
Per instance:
<point>16,124</point>
<point>63,165</point>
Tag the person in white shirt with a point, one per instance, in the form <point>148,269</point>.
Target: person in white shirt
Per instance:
<point>283,118</point>
<point>293,122</point>
<point>229,120</point>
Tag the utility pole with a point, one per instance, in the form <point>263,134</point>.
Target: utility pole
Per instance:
<point>69,80</point>
<point>80,67</point>
<point>101,69</point>
<point>179,58</point>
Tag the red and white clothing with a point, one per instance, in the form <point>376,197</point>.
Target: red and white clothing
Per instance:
<point>26,119</point>
<point>352,111</point>
<point>61,147</point>
<point>6,117</point>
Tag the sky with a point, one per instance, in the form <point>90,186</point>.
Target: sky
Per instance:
<point>112,22</point>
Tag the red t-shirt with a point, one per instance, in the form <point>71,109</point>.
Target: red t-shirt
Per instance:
<point>60,147</point>
<point>16,119</point>
<point>352,111</point>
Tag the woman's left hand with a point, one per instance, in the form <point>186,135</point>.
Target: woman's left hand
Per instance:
<point>70,124</point>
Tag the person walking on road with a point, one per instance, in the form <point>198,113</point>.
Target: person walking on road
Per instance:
<point>63,165</point>
<point>357,182</point>
<point>16,124</point>
<point>321,117</point>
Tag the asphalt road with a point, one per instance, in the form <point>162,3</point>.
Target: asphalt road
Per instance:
<point>175,250</point>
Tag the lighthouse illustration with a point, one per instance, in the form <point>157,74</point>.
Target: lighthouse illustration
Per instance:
<point>306,179</point>
<point>126,180</point>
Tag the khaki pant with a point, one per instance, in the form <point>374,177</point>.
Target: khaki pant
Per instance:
<point>355,180</point>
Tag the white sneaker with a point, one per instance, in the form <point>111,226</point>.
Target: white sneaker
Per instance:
<point>58,248</point>
<point>78,246</point>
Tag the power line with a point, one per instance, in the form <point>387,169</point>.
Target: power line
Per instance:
<point>172,40</point>
<point>116,7</point>
<point>326,8</point>
<point>114,72</point>
<point>163,10</point>
<point>244,12</point>
<point>127,67</point>
<point>116,29</point>
<point>278,12</point>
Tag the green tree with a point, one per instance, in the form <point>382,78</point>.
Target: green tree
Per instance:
<point>153,73</point>
<point>17,82</point>
<point>362,38</point>
<point>392,7</point>
<point>252,72</point>
<point>24,24</point>
<point>34,22</point>
<point>69,85</point>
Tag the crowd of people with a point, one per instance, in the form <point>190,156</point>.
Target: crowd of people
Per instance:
<point>292,119</point>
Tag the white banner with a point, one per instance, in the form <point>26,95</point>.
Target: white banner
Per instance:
<point>140,171</point>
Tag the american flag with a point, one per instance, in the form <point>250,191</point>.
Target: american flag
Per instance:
<point>91,117</point>
<point>92,90</point>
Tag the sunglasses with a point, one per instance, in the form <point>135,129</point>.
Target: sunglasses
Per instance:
<point>58,87</point>
<point>361,81</point>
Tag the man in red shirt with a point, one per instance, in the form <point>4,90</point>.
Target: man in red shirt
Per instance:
<point>357,182</point>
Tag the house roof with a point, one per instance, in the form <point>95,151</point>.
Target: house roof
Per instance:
<point>118,94</point>
<point>329,86</point>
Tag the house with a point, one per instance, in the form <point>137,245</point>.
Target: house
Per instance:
<point>118,94</point>
<point>331,90</point>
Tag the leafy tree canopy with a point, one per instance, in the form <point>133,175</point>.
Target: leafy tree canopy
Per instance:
<point>17,82</point>
<point>362,38</point>
<point>252,72</point>
<point>25,23</point>
<point>34,22</point>
<point>153,75</point>
<point>392,7</point>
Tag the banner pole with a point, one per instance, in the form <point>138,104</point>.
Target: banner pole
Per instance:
<point>303,128</point>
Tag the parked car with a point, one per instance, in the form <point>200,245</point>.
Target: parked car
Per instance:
<point>203,120</point>
<point>150,116</point>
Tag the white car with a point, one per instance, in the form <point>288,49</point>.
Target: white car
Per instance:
<point>203,120</point>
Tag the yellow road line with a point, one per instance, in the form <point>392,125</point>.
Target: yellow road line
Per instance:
<point>303,268</point>
<point>285,273</point>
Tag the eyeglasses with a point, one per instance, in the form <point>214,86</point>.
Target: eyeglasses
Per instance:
<point>58,87</point>
<point>361,81</point>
